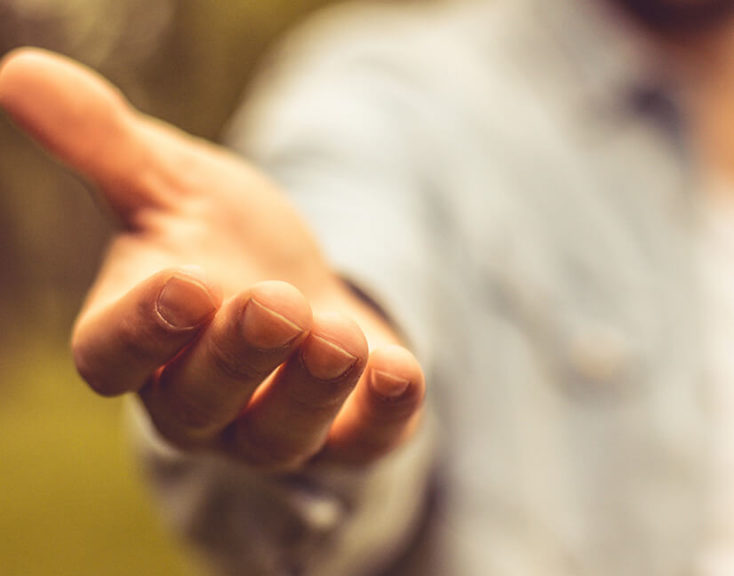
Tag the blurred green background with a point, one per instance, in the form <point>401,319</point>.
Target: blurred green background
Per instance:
<point>71,502</point>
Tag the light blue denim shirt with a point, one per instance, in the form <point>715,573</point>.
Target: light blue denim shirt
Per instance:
<point>510,181</point>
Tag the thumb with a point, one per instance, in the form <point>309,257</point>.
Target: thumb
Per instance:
<point>83,120</point>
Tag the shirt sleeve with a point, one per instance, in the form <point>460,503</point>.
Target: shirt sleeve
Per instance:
<point>341,135</point>
<point>332,127</point>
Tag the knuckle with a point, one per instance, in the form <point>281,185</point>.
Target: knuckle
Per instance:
<point>271,453</point>
<point>318,402</point>
<point>234,365</point>
<point>192,416</point>
<point>181,421</point>
<point>139,340</point>
<point>314,395</point>
<point>387,410</point>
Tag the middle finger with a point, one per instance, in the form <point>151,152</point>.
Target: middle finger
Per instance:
<point>203,390</point>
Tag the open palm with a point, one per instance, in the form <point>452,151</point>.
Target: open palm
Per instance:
<point>214,303</point>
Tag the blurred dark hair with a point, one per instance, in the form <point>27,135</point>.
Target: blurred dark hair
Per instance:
<point>675,16</point>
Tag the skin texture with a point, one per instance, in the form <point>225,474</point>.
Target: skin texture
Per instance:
<point>214,303</point>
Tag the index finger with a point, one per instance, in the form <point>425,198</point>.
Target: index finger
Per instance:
<point>119,347</point>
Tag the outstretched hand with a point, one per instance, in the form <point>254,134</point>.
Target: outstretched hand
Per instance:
<point>214,303</point>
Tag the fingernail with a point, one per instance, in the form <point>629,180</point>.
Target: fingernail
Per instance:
<point>325,360</point>
<point>388,385</point>
<point>184,302</point>
<point>264,328</point>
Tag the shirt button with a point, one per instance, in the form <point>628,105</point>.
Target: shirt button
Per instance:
<point>600,356</point>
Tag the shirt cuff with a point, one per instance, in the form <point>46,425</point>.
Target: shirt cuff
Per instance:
<point>325,520</point>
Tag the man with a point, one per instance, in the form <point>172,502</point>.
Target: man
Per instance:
<point>518,191</point>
